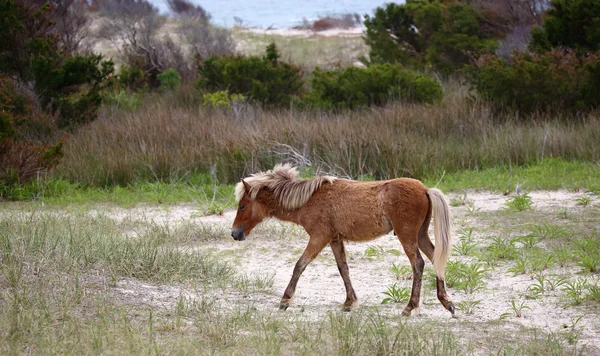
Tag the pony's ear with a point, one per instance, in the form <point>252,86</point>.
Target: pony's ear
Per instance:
<point>246,187</point>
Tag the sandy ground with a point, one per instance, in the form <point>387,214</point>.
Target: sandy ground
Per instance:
<point>271,251</point>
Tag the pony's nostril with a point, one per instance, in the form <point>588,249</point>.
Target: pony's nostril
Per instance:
<point>237,234</point>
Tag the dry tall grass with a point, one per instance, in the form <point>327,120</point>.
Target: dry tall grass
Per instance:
<point>173,135</point>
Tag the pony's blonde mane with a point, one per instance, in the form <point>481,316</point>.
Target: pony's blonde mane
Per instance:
<point>291,192</point>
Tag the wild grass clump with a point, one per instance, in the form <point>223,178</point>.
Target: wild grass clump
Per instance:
<point>171,136</point>
<point>85,244</point>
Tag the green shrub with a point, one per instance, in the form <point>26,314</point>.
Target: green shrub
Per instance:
<point>552,81</point>
<point>221,99</point>
<point>132,78</point>
<point>569,23</point>
<point>266,79</point>
<point>443,34</point>
<point>355,87</point>
<point>71,86</point>
<point>169,79</point>
<point>122,100</point>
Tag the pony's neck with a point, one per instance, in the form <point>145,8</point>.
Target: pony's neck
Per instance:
<point>288,215</point>
<point>275,210</point>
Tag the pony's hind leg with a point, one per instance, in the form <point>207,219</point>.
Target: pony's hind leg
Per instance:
<point>417,263</point>
<point>427,247</point>
<point>337,246</point>
<point>315,245</point>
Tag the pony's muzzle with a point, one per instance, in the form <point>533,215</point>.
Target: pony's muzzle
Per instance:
<point>238,234</point>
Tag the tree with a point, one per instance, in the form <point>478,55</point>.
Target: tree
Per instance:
<point>134,28</point>
<point>515,17</point>
<point>43,90</point>
<point>571,24</point>
<point>444,34</point>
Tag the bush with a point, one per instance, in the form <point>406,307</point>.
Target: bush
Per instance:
<point>29,146</point>
<point>122,100</point>
<point>355,87</point>
<point>443,34</point>
<point>71,86</point>
<point>169,79</point>
<point>266,79</point>
<point>222,99</point>
<point>569,23</point>
<point>552,81</point>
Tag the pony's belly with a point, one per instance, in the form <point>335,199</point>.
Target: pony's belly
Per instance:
<point>368,231</point>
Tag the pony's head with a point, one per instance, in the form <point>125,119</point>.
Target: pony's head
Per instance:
<point>249,214</point>
<point>279,189</point>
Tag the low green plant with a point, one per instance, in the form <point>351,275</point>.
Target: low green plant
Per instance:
<point>541,260</point>
<point>572,332</point>
<point>563,213</point>
<point>575,290</point>
<point>563,255</point>
<point>468,306</point>
<point>465,246</point>
<point>588,252</point>
<point>394,251</point>
<point>583,200</point>
<point>501,248</point>
<point>459,200</point>
<point>549,231</point>
<point>538,288</point>
<point>520,202</point>
<point>373,252</point>
<point>516,308</point>
<point>467,277</point>
<point>528,241</point>
<point>471,209</point>
<point>521,266</point>
<point>552,284</point>
<point>594,292</point>
<point>396,294</point>
<point>401,272</point>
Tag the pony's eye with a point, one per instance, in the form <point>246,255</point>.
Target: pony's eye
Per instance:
<point>242,207</point>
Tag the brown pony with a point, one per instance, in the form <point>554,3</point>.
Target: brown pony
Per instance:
<point>333,210</point>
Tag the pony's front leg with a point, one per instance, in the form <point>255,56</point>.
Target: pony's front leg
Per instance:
<point>315,245</point>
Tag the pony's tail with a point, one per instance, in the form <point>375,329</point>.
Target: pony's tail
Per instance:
<point>442,229</point>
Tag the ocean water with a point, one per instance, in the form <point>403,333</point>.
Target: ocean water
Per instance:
<point>277,13</point>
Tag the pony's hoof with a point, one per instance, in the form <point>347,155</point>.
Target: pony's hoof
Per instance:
<point>348,306</point>
<point>283,307</point>
<point>406,312</point>
<point>452,309</point>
